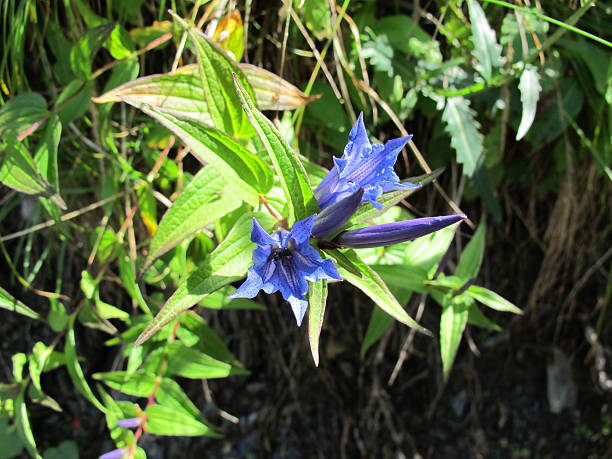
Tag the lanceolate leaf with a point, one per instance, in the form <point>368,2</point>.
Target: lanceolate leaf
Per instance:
<point>241,169</point>
<point>74,367</point>
<point>492,299</point>
<point>20,112</point>
<point>83,51</point>
<point>317,298</point>
<point>229,262</point>
<point>289,169</point>
<point>8,302</point>
<point>205,200</point>
<point>486,49</point>
<point>19,171</point>
<point>216,69</point>
<point>167,421</point>
<point>181,92</point>
<point>471,257</point>
<point>464,132</point>
<point>530,92</point>
<point>373,286</point>
<point>452,323</point>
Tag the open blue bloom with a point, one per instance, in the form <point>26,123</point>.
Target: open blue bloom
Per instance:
<point>363,165</point>
<point>284,261</point>
<point>396,232</point>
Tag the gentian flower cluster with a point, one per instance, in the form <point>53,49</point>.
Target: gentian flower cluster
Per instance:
<point>285,260</point>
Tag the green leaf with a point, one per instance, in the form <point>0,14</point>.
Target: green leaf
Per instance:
<point>248,175</point>
<point>317,16</point>
<point>128,279</point>
<point>206,340</point>
<point>8,302</point>
<point>373,286</point>
<point>530,92</point>
<point>216,69</point>
<point>19,171</point>
<point>74,101</point>
<point>471,257</point>
<point>486,49</point>
<point>22,422</point>
<point>452,323</point>
<point>492,299</point>
<point>227,263</point>
<point>167,421</point>
<point>476,317</point>
<point>67,449</point>
<point>203,201</point>
<point>464,132</point>
<point>380,321</point>
<point>142,383</point>
<point>36,365</point>
<point>84,50</point>
<point>46,154</point>
<point>191,363</point>
<point>20,112</point>
<point>317,298</point>
<point>74,367</point>
<point>9,439</point>
<point>289,169</point>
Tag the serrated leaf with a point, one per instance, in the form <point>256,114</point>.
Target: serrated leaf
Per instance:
<point>167,421</point>
<point>373,286</point>
<point>452,323</point>
<point>289,169</point>
<point>216,71</point>
<point>227,263</point>
<point>84,50</point>
<point>10,303</point>
<point>492,299</point>
<point>204,200</point>
<point>74,367</point>
<point>19,171</point>
<point>241,169</point>
<point>471,257</point>
<point>530,92</point>
<point>464,132</point>
<point>317,298</point>
<point>486,49</point>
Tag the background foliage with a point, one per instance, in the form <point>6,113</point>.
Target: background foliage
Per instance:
<point>512,100</point>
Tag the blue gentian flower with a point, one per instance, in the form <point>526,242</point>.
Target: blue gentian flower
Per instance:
<point>363,165</point>
<point>333,217</point>
<point>114,454</point>
<point>396,232</point>
<point>284,261</point>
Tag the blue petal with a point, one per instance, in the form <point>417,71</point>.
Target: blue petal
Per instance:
<point>333,217</point>
<point>260,236</point>
<point>301,231</point>
<point>114,454</point>
<point>298,306</point>
<point>250,287</point>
